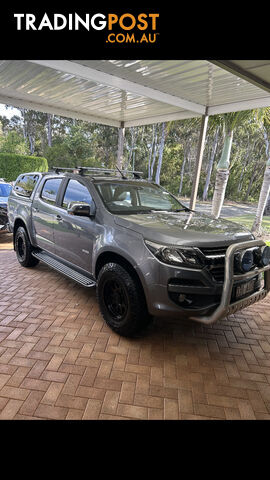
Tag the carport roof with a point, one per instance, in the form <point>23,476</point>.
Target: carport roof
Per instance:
<point>135,92</point>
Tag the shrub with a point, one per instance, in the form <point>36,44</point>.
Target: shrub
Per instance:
<point>12,165</point>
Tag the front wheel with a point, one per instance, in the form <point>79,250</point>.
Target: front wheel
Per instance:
<point>121,300</point>
<point>23,249</point>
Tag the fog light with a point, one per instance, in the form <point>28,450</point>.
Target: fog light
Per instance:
<point>244,260</point>
<point>184,300</point>
<point>181,298</point>
<point>265,256</point>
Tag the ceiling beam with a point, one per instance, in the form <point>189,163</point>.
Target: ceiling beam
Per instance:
<point>238,106</point>
<point>22,103</point>
<point>235,69</point>
<point>97,76</point>
<point>161,118</point>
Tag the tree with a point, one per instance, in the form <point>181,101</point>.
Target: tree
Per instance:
<point>49,129</point>
<point>69,142</point>
<point>211,162</point>
<point>164,132</point>
<point>155,149</point>
<point>267,207</point>
<point>151,151</point>
<point>230,122</point>
<point>265,190</point>
<point>171,165</point>
<point>13,142</point>
<point>131,148</point>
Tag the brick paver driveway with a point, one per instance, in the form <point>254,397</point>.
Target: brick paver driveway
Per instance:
<point>58,359</point>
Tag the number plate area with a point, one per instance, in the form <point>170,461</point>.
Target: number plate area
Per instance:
<point>243,289</point>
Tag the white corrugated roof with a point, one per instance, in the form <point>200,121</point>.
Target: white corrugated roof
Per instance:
<point>135,92</point>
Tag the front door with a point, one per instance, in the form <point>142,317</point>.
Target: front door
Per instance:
<point>74,235</point>
<point>43,214</point>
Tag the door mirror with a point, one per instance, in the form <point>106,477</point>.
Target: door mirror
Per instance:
<point>81,209</point>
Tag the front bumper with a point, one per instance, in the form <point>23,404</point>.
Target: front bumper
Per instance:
<point>214,300</point>
<point>226,308</point>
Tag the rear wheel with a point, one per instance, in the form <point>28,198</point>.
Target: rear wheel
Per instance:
<point>121,300</point>
<point>23,249</point>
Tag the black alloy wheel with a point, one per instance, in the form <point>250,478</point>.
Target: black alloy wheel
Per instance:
<point>24,248</point>
<point>121,300</point>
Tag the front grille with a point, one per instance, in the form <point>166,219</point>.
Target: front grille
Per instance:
<point>218,273</point>
<point>215,260</point>
<point>215,257</point>
<point>214,251</point>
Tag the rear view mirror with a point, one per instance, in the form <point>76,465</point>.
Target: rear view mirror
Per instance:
<point>81,209</point>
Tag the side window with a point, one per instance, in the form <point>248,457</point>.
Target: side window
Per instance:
<point>25,185</point>
<point>76,193</point>
<point>50,190</point>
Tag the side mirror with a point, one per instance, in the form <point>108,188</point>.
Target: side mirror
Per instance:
<point>81,209</point>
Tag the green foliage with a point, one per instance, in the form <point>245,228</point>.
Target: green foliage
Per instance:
<point>233,119</point>
<point>79,143</point>
<point>59,156</point>
<point>12,165</point>
<point>172,161</point>
<point>67,142</point>
<point>13,142</point>
<point>247,221</point>
<point>92,162</point>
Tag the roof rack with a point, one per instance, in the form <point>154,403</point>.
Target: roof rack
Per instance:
<point>105,171</point>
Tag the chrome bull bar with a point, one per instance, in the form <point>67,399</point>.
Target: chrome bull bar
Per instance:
<point>226,308</point>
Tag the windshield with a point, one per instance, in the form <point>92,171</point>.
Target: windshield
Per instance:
<point>130,198</point>
<point>5,189</point>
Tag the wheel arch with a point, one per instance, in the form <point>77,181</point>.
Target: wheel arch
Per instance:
<point>18,223</point>
<point>113,257</point>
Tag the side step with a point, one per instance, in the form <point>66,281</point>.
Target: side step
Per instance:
<point>67,271</point>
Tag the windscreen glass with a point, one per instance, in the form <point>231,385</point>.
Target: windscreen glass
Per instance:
<point>124,198</point>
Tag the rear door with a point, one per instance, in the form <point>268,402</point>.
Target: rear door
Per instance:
<point>74,235</point>
<point>44,214</point>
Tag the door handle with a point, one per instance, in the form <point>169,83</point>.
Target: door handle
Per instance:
<point>35,209</point>
<point>59,218</point>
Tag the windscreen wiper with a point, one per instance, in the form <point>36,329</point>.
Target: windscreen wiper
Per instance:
<point>185,209</point>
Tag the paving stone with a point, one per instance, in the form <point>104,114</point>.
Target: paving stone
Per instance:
<point>58,359</point>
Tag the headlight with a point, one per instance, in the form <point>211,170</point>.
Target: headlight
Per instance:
<point>186,257</point>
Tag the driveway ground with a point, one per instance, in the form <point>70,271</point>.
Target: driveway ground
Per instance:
<point>58,359</point>
<point>6,242</point>
<point>229,209</point>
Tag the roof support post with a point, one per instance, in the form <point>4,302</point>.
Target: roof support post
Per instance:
<point>120,152</point>
<point>199,157</point>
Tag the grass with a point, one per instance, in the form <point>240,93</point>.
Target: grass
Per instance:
<point>247,221</point>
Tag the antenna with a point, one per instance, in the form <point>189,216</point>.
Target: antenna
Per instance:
<point>121,173</point>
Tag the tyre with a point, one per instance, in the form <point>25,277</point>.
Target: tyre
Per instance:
<point>121,300</point>
<point>23,249</point>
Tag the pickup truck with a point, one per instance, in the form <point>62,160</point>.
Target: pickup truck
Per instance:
<point>146,253</point>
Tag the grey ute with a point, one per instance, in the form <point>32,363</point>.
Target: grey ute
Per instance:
<point>146,253</point>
